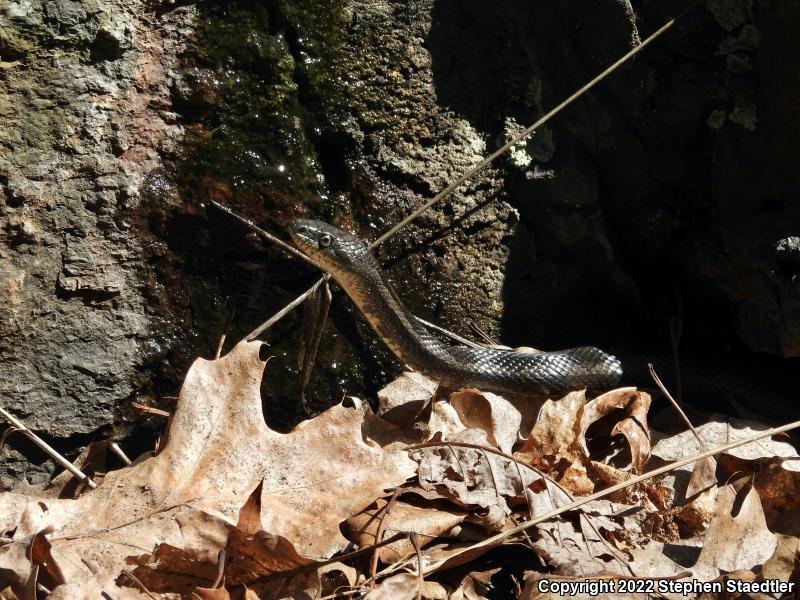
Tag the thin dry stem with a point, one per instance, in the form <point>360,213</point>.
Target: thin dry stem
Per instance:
<point>525,133</point>
<point>48,449</point>
<point>136,580</point>
<point>482,334</point>
<point>263,233</point>
<point>218,353</point>
<point>675,405</point>
<point>119,452</point>
<point>151,410</point>
<point>449,334</point>
<point>373,565</point>
<point>283,312</point>
<point>420,576</point>
<point>220,568</point>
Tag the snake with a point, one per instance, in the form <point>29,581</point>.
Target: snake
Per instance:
<point>351,264</point>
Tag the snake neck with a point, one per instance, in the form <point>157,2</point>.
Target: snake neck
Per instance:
<point>411,342</point>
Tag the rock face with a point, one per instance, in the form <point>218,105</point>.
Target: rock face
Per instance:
<point>85,114</point>
<point>670,190</point>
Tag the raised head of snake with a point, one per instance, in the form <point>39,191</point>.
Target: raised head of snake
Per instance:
<point>353,267</point>
<point>332,249</point>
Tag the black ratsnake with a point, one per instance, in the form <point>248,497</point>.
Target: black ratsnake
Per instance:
<point>354,268</point>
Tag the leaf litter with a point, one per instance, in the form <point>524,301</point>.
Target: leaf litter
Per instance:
<point>425,497</point>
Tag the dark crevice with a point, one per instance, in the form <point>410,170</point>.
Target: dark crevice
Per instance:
<point>403,180</point>
<point>332,151</point>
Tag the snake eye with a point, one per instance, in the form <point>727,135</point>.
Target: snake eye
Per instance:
<point>325,240</point>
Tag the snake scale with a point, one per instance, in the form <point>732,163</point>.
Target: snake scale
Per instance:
<point>354,268</point>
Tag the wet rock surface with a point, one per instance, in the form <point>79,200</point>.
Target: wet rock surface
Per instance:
<point>669,191</point>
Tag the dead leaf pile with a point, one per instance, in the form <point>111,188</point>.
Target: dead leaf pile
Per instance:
<point>421,498</point>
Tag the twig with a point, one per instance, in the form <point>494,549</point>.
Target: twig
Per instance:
<point>220,568</point>
<point>490,541</point>
<point>494,479</point>
<point>482,334</point>
<point>420,577</point>
<point>449,334</point>
<point>263,233</point>
<point>152,410</point>
<point>138,583</point>
<point>460,180</point>
<point>47,448</point>
<point>283,312</point>
<point>675,335</point>
<point>675,405</point>
<point>373,565</point>
<point>525,133</point>
<point>118,451</point>
<point>218,353</point>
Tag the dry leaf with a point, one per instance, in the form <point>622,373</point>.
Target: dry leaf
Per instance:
<point>398,587</point>
<point>776,489</point>
<point>704,475</point>
<point>472,477</point>
<point>235,592</point>
<point>634,405</point>
<point>218,450</point>
<point>784,564</point>
<point>569,552</point>
<point>406,516</point>
<point>735,541</point>
<point>553,444</point>
<point>533,581</point>
<point>474,585</point>
<point>556,431</point>
<point>411,414</point>
<point>250,558</point>
<point>724,431</point>
<point>335,577</point>
<point>492,413</point>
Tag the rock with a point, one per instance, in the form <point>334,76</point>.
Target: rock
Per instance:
<point>75,317</point>
<point>120,120</point>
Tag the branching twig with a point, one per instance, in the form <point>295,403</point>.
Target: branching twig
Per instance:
<point>52,452</point>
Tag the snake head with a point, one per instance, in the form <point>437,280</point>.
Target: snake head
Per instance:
<point>333,249</point>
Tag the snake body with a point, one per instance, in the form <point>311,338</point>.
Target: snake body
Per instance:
<point>354,268</point>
